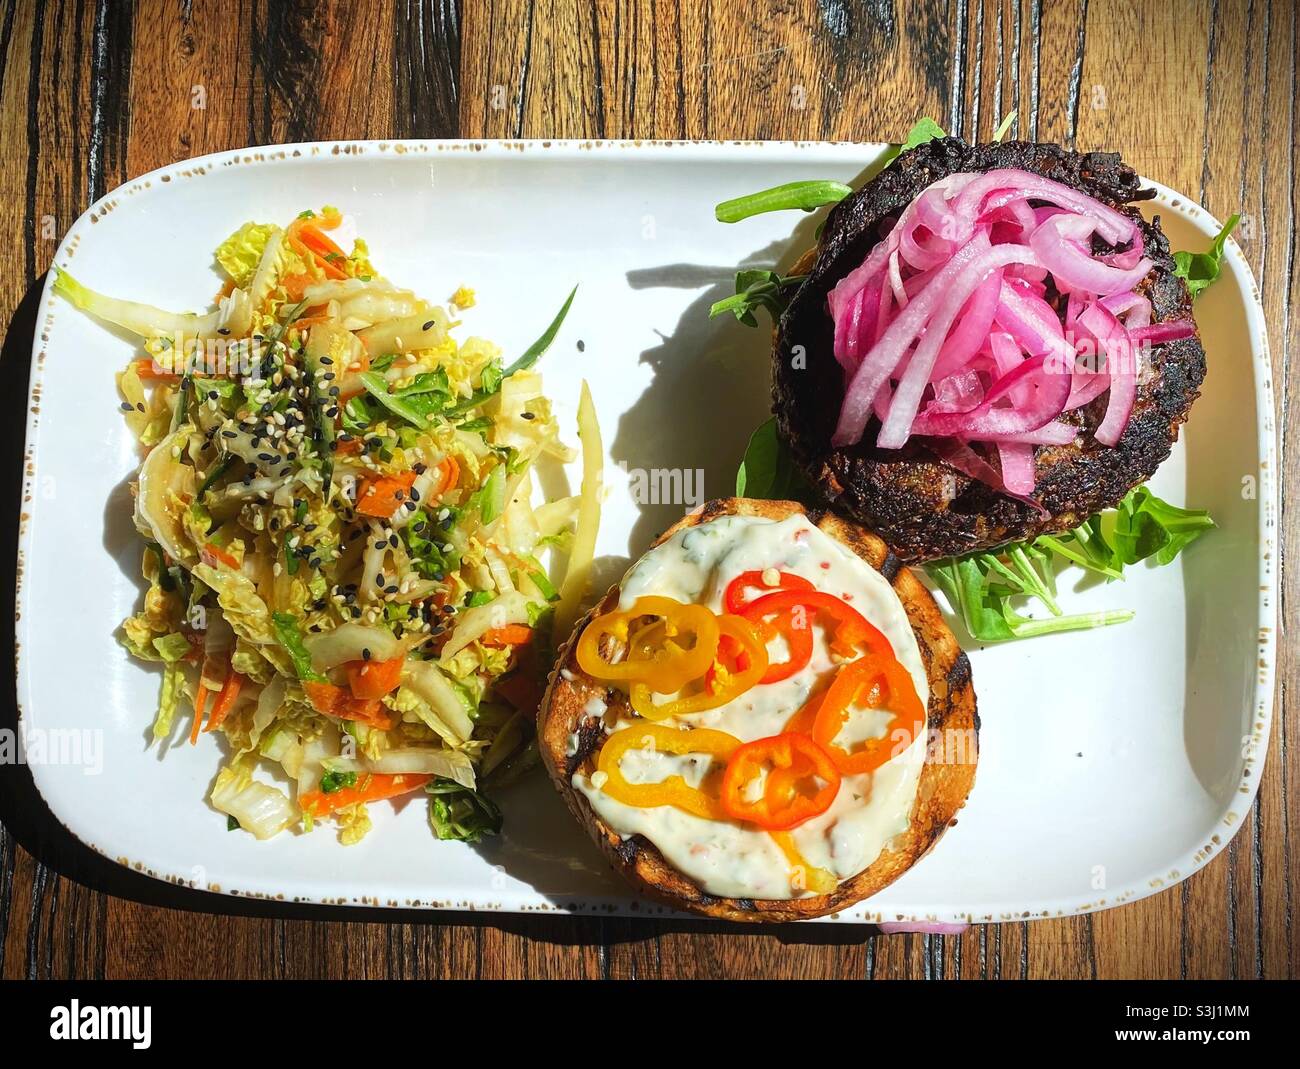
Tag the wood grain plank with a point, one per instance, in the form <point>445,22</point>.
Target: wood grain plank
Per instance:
<point>1250,166</point>
<point>632,68</point>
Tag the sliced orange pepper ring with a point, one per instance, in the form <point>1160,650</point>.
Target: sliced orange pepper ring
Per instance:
<point>887,685</point>
<point>800,782</point>
<point>672,790</point>
<point>796,628</point>
<point>720,683</point>
<point>806,877</point>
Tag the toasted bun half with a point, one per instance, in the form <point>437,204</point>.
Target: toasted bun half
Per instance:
<point>941,791</point>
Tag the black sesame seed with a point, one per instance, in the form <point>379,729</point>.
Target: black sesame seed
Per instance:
<point>127,406</point>
<point>230,434</point>
<point>428,325</point>
<point>365,653</point>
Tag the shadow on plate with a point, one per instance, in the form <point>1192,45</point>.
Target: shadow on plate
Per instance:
<point>682,440</point>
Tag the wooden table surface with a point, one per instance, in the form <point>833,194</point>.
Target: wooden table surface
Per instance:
<point>1199,95</point>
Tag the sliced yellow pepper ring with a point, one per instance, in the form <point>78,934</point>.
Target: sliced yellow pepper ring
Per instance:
<point>673,790</point>
<point>662,656</point>
<point>721,684</point>
<point>805,876</point>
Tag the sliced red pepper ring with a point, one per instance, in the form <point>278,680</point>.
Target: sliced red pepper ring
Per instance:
<point>734,597</point>
<point>887,685</point>
<point>853,632</point>
<point>800,782</point>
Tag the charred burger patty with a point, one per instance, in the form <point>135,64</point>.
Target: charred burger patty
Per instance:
<point>923,508</point>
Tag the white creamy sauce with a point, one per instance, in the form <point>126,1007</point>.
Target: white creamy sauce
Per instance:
<point>739,861</point>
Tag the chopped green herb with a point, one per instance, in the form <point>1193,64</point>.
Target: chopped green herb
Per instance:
<point>336,781</point>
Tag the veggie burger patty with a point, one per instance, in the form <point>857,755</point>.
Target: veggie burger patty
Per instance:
<point>923,508</point>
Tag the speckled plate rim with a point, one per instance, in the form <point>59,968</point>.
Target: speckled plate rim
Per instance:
<point>576,150</point>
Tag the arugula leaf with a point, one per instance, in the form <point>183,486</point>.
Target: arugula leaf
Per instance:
<point>805,196</point>
<point>490,381</point>
<point>1201,268</point>
<point>1146,526</point>
<point>289,636</point>
<point>981,587</point>
<point>925,129</point>
<point>767,470</point>
<point>756,288</point>
<point>461,813</point>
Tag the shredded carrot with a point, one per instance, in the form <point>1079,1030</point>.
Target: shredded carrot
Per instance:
<point>371,787</point>
<point>334,701</point>
<point>450,474</point>
<point>225,699</point>
<point>296,284</point>
<point>310,235</point>
<point>212,553</point>
<point>322,260</point>
<point>383,495</point>
<point>510,635</point>
<point>374,679</point>
<point>151,370</point>
<point>200,700</point>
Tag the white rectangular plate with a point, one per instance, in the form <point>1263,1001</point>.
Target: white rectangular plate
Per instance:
<point>1113,762</point>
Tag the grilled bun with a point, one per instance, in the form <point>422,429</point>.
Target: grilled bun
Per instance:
<point>941,790</point>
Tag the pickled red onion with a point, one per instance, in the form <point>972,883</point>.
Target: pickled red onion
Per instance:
<point>946,330</point>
